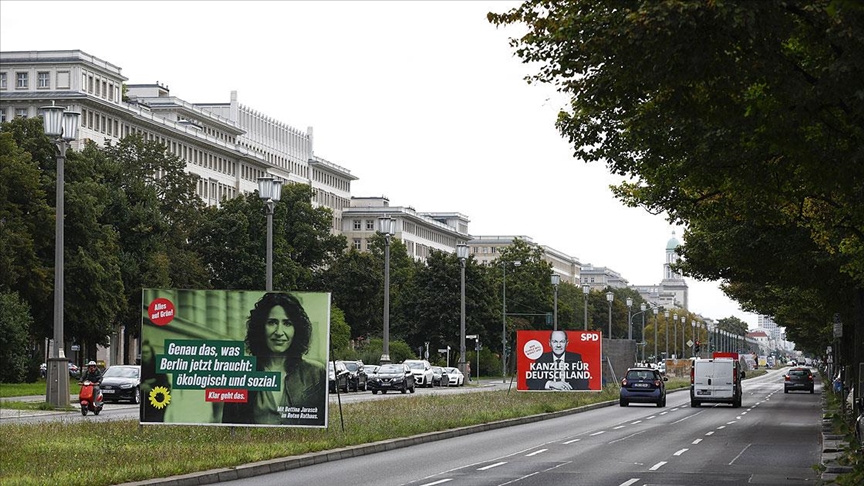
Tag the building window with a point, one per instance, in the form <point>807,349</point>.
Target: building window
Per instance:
<point>370,225</point>
<point>89,84</point>
<point>357,244</point>
<point>62,79</point>
<point>356,225</point>
<point>2,80</point>
<point>22,80</point>
<point>20,112</point>
<point>43,80</point>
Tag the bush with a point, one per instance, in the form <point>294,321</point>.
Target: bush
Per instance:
<point>15,321</point>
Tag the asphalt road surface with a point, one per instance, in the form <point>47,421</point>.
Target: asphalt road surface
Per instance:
<point>772,439</point>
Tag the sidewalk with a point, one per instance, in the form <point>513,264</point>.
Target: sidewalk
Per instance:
<point>9,413</point>
<point>833,446</point>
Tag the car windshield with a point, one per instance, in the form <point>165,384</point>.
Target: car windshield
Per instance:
<point>390,369</point>
<point>451,370</point>
<point>124,372</point>
<point>415,366</point>
<point>352,366</point>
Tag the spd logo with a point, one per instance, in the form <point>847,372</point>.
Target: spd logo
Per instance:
<point>591,336</point>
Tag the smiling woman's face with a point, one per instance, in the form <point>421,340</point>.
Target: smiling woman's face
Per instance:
<point>279,330</point>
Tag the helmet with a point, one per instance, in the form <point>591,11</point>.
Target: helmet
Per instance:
<point>91,363</point>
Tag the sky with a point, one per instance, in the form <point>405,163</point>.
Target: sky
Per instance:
<point>423,101</point>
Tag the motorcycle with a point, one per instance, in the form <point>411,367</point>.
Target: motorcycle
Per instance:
<point>89,403</point>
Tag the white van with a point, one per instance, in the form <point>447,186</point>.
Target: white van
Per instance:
<point>716,380</point>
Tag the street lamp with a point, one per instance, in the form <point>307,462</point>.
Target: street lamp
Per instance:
<point>62,126</point>
<point>643,308</point>
<point>629,318</point>
<point>387,227</point>
<point>609,297</point>
<point>270,191</point>
<point>675,335</point>
<point>693,338</point>
<point>556,280</point>
<point>585,291</point>
<point>462,255</point>
<point>656,311</point>
<point>666,324</point>
<point>504,320</point>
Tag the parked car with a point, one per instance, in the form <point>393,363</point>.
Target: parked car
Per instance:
<point>437,375</point>
<point>643,385</point>
<point>370,370</point>
<point>338,376</point>
<point>121,382</point>
<point>798,379</point>
<point>452,377</point>
<point>422,371</point>
<point>392,376</point>
<point>74,371</point>
<point>357,377</point>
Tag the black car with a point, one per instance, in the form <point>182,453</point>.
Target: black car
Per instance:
<point>643,385</point>
<point>798,379</point>
<point>392,377</point>
<point>357,378</point>
<point>121,382</point>
<point>338,376</point>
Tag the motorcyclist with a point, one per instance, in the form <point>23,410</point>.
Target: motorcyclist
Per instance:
<point>95,376</point>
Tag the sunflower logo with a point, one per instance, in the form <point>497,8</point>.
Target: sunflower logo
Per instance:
<point>159,397</point>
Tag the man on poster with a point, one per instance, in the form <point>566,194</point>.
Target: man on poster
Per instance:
<point>558,369</point>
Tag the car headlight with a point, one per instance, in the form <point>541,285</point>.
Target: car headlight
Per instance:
<point>126,385</point>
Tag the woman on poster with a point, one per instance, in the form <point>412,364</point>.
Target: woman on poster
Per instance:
<point>278,334</point>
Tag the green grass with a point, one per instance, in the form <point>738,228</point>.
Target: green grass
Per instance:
<point>52,452</point>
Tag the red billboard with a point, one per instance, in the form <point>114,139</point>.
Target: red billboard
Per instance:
<point>559,360</point>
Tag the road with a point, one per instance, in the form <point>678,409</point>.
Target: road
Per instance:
<point>772,439</point>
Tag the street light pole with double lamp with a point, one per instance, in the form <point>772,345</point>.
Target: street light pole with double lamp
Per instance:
<point>387,227</point>
<point>609,298</point>
<point>270,191</point>
<point>462,255</point>
<point>62,126</point>
<point>556,280</point>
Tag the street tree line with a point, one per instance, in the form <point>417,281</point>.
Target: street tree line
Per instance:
<point>741,121</point>
<point>134,221</point>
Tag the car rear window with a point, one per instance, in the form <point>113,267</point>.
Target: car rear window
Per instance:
<point>640,375</point>
<point>799,373</point>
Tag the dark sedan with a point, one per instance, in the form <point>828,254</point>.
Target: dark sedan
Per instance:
<point>798,379</point>
<point>392,377</point>
<point>643,385</point>
<point>121,382</point>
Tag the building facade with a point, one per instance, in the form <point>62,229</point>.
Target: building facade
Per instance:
<point>487,249</point>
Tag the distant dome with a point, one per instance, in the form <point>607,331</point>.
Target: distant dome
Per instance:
<point>673,242</point>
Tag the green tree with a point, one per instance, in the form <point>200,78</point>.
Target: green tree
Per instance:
<point>15,321</point>
<point>232,241</point>
<point>355,281</point>
<point>740,120</point>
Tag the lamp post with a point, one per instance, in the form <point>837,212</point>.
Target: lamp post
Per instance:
<point>504,320</point>
<point>666,325</point>
<point>675,334</point>
<point>656,311</point>
<point>62,126</point>
<point>643,308</point>
<point>609,297</point>
<point>387,227</point>
<point>693,339</point>
<point>585,291</point>
<point>629,319</point>
<point>270,191</point>
<point>556,280</point>
<point>462,255</point>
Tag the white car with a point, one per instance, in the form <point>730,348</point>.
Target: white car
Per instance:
<point>452,377</point>
<point>422,371</point>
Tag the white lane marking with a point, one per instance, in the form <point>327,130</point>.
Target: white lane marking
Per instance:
<point>682,451</point>
<point>438,482</point>
<point>721,427</point>
<point>739,417</point>
<point>739,454</point>
<point>657,466</point>
<point>651,417</point>
<point>536,452</point>
<point>730,423</point>
<point>627,437</point>
<point>683,419</point>
<point>710,433</point>
<point>663,413</point>
<point>490,466</point>
<point>619,427</point>
<point>628,483</point>
<point>696,441</point>
<point>636,422</point>
<point>572,441</point>
<point>675,409</point>
<point>598,433</point>
<point>743,413</point>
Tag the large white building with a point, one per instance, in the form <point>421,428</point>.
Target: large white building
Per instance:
<point>228,146</point>
<point>672,291</point>
<point>486,249</point>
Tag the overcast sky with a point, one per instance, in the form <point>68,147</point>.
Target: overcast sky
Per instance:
<point>424,102</point>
